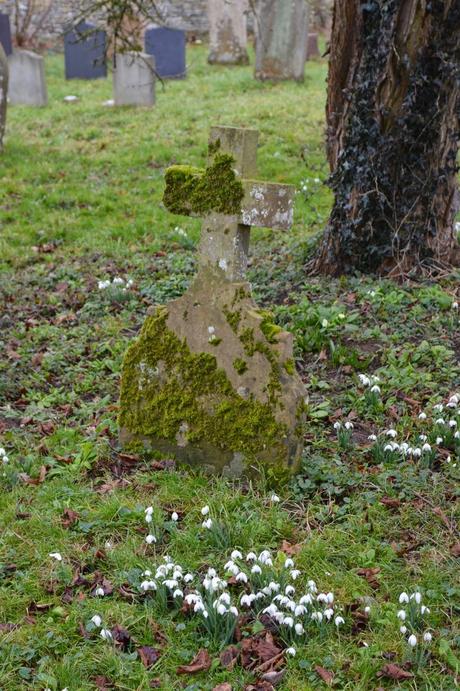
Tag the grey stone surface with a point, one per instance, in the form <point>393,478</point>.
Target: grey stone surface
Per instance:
<point>168,47</point>
<point>134,80</point>
<point>3,93</point>
<point>228,32</point>
<point>5,33</point>
<point>84,52</point>
<point>312,46</point>
<point>281,39</point>
<point>27,79</point>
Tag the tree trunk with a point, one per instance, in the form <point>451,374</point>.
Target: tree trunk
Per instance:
<point>3,93</point>
<point>393,114</point>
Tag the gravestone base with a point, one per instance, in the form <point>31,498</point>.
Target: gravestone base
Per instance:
<point>134,80</point>
<point>212,380</point>
<point>27,79</point>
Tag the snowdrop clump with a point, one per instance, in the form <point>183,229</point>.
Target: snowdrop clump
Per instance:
<point>411,618</point>
<point>3,457</point>
<point>117,282</point>
<point>344,433</point>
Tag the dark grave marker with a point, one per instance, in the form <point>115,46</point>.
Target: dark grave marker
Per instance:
<point>168,47</point>
<point>5,33</point>
<point>84,48</point>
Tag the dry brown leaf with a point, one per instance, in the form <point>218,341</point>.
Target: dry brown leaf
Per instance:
<point>391,671</point>
<point>148,655</point>
<point>290,549</point>
<point>455,550</point>
<point>200,663</point>
<point>325,674</point>
<point>229,656</point>
<point>223,687</point>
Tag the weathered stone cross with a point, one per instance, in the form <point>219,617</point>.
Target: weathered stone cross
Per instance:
<point>212,378</point>
<point>229,199</point>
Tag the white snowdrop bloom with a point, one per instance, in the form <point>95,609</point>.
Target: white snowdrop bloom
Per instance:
<point>339,620</point>
<point>147,585</point>
<point>236,554</point>
<point>190,598</point>
<point>367,609</point>
<point>364,379</point>
<point>439,440</point>
<point>247,600</point>
<point>97,620</point>
<point>271,609</point>
<point>312,586</point>
<point>422,416</point>
<point>212,573</point>
<point>330,598</point>
<point>251,556</point>
<point>289,590</point>
<point>205,510</point>
<point>424,609</point>
<point>174,516</point>
<point>412,640</point>
<point>306,600</point>
<point>205,613</point>
<point>150,539</point>
<point>266,591</point>
<point>452,423</point>
<point>274,587</point>
<point>264,556</point>
<point>404,447</point>
<point>261,595</point>
<point>391,433</point>
<point>403,629</point>
<point>211,330</point>
<point>426,448</point>
<point>178,593</point>
<point>221,609</point>
<point>289,564</point>
<point>102,285</point>
<point>275,498</point>
<point>299,610</point>
<point>294,574</point>
<point>2,451</point>
<point>404,597</point>
<point>242,578</point>
<point>299,629</point>
<point>234,570</point>
<point>256,569</point>
<point>229,565</point>
<point>199,607</point>
<point>455,305</point>
<point>322,597</point>
<point>388,448</point>
<point>99,592</point>
<point>118,281</point>
<point>402,614</point>
<point>233,611</point>
<point>177,574</point>
<point>438,407</point>
<point>225,598</point>
<point>288,621</point>
<point>291,605</point>
<point>457,435</point>
<point>375,389</point>
<point>55,555</point>
<point>448,459</point>
<point>188,578</point>
<point>106,634</point>
<point>372,437</point>
<point>324,323</point>
<point>207,524</point>
<point>427,637</point>
<point>148,518</point>
<point>455,398</point>
<point>291,651</point>
<point>349,425</point>
<point>337,425</point>
<point>317,616</point>
<point>416,453</point>
<point>147,572</point>
<point>440,421</point>
<point>328,613</point>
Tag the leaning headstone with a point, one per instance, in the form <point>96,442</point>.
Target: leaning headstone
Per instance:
<point>85,52</point>
<point>228,32</point>
<point>212,378</point>
<point>168,48</point>
<point>281,33</point>
<point>3,93</point>
<point>27,79</point>
<point>312,46</point>
<point>134,80</point>
<point>5,33</point>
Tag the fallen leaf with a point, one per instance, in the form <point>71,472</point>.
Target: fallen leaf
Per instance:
<point>229,656</point>
<point>259,650</point>
<point>260,685</point>
<point>274,677</point>
<point>69,517</point>
<point>122,637</point>
<point>155,683</point>
<point>6,628</point>
<point>200,663</point>
<point>148,655</point>
<point>391,502</point>
<point>102,683</point>
<point>325,674</point>
<point>455,550</point>
<point>290,549</point>
<point>370,575</point>
<point>391,671</point>
<point>223,687</point>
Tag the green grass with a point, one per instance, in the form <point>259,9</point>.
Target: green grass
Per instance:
<point>82,184</point>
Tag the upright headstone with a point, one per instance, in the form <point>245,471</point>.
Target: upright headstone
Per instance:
<point>27,79</point>
<point>228,32</point>
<point>5,33</point>
<point>3,93</point>
<point>168,48</point>
<point>281,33</point>
<point>134,80</point>
<point>312,46</point>
<point>212,378</point>
<point>85,52</point>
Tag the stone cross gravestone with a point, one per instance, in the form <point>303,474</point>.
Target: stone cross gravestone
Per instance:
<point>134,80</point>
<point>85,52</point>
<point>27,79</point>
<point>228,32</point>
<point>281,39</point>
<point>5,33</point>
<point>312,46</point>
<point>3,93</point>
<point>212,378</point>
<point>168,48</point>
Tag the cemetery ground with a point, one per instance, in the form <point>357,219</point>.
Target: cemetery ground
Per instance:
<point>85,249</point>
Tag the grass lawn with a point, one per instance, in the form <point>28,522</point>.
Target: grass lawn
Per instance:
<point>366,519</point>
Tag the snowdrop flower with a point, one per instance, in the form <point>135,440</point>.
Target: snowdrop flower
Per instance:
<point>289,590</point>
<point>452,423</point>
<point>317,616</point>
<point>221,609</point>
<point>242,578</point>
<point>55,555</point>
<point>299,610</point>
<point>148,518</point>
<point>212,573</point>
<point>148,585</point>
<point>416,453</point>
<point>232,568</point>
<point>274,586</point>
<point>349,425</point>
<point>324,323</point>
<point>440,421</point>
<point>367,609</point>
<point>338,621</point>
<point>288,564</point>
<point>288,621</point>
<point>322,597</point>
<point>422,416</point>
<point>225,598</point>
<point>251,556</point>
<point>233,611</point>
<point>117,281</point>
<point>364,379</point>
<point>99,592</point>
<point>306,600</point>
<point>427,637</point>
<point>247,600</point>
<point>102,285</point>
<point>455,305</point>
<point>404,597</point>
<point>391,433</point>
<point>426,448</point>
<point>150,539</point>
<point>417,597</point>
<point>337,425</point>
<point>402,615</point>
<point>375,389</point>
<point>423,437</point>
<point>97,620</point>
<point>170,583</point>
<point>312,586</point>
<point>330,598</point>
<point>412,640</point>
<point>106,634</point>
<point>299,629</point>
<point>439,440</point>
<point>148,510</point>
<point>328,613</point>
<point>438,407</point>
<point>291,651</point>
<point>424,610</point>
<point>271,609</point>
<point>256,569</point>
<point>207,524</point>
<point>372,437</point>
<point>174,516</point>
<point>275,498</point>
<point>388,447</point>
<point>205,510</point>
<point>178,593</point>
<point>236,554</point>
<point>294,574</point>
<point>264,556</point>
<point>403,629</point>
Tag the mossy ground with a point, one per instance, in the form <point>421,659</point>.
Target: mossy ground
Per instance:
<point>83,187</point>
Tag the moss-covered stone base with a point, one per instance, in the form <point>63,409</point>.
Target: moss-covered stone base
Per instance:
<point>209,381</point>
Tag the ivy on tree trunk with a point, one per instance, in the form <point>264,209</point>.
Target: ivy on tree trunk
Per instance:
<point>393,113</point>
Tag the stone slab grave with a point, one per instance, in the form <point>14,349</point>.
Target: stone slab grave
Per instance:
<point>27,79</point>
<point>85,52</point>
<point>5,33</point>
<point>3,93</point>
<point>281,39</point>
<point>312,46</point>
<point>168,48</point>
<point>134,80</point>
<point>212,379</point>
<point>228,32</point>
